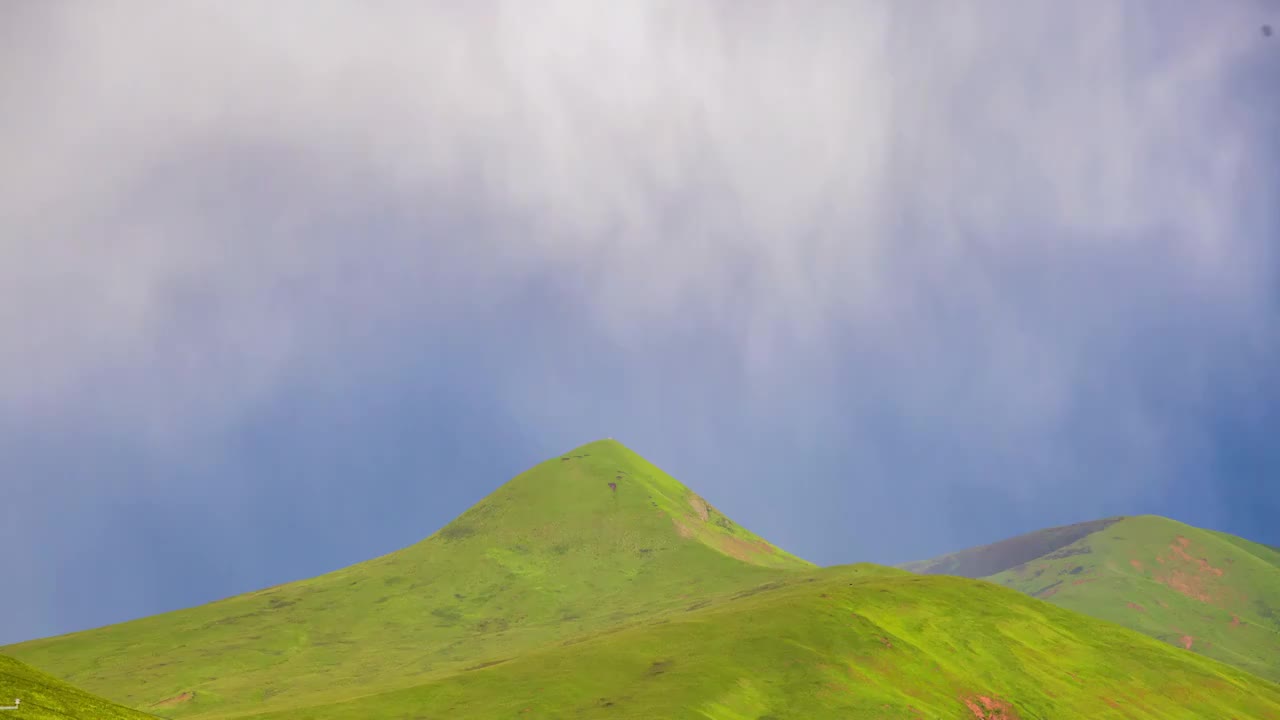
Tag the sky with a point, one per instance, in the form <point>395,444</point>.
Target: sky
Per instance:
<point>290,285</point>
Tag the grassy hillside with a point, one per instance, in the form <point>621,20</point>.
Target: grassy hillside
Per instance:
<point>576,544</point>
<point>47,698</point>
<point>850,642</point>
<point>594,585</point>
<point>1206,591</point>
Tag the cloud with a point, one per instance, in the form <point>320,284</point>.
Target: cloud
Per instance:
<point>991,215</point>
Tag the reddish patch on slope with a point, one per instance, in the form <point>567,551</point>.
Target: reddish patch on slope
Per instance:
<point>986,708</point>
<point>175,700</point>
<point>1137,564</point>
<point>885,641</point>
<point>1135,606</point>
<point>1235,621</point>
<point>1162,604</point>
<point>1181,551</point>
<point>699,506</point>
<point>745,550</point>
<point>740,548</point>
<point>1192,576</point>
<point>1186,641</point>
<point>1082,581</point>
<point>684,530</point>
<point>1187,584</point>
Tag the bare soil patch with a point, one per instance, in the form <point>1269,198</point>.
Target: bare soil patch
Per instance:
<point>684,530</point>
<point>1192,576</point>
<point>988,708</point>
<point>175,700</point>
<point>699,506</point>
<point>745,550</point>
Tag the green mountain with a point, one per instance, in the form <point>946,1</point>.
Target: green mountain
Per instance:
<point>1202,590</point>
<point>577,544</point>
<point>595,585</point>
<point>44,697</point>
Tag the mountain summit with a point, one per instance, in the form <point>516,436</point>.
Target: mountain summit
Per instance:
<point>604,498</point>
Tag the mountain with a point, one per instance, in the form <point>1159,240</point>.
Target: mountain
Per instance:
<point>581,542</point>
<point>1202,590</point>
<point>43,697</point>
<point>595,585</point>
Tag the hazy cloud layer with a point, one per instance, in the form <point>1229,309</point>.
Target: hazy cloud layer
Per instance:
<point>886,255</point>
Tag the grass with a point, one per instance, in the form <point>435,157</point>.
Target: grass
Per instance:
<point>848,642</point>
<point>554,553</point>
<point>44,697</point>
<point>595,585</point>
<point>1215,593</point>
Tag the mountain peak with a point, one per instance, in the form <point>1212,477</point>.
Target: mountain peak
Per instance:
<point>606,496</point>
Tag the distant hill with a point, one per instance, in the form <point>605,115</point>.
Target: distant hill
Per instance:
<point>44,697</point>
<point>1000,556</point>
<point>1202,590</point>
<point>596,586</point>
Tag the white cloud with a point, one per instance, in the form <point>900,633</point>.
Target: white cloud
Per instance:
<point>787,172</point>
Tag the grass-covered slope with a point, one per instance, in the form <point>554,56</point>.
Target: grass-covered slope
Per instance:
<point>594,585</point>
<point>849,642</point>
<point>576,544</point>
<point>1206,591</point>
<point>47,698</point>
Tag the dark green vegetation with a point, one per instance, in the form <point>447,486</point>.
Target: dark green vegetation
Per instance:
<point>594,585</point>
<point>1203,590</point>
<point>47,698</point>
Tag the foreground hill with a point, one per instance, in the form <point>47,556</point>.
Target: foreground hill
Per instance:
<point>595,585</point>
<point>47,698</point>
<point>581,542</point>
<point>1202,590</point>
<point>847,642</point>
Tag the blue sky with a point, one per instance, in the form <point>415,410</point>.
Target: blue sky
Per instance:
<point>291,289</point>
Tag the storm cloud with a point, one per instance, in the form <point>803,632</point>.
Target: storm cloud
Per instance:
<point>879,279</point>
